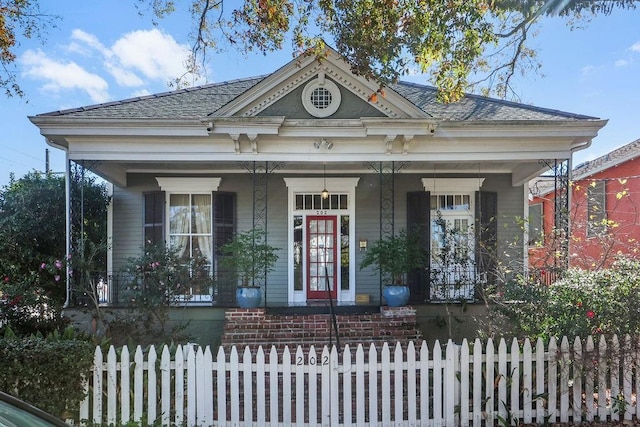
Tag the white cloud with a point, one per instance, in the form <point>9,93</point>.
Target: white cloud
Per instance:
<point>621,63</point>
<point>141,59</point>
<point>154,54</point>
<point>82,38</point>
<point>59,75</point>
<point>635,47</point>
<point>587,70</point>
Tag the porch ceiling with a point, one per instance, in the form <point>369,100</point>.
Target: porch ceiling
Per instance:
<point>117,172</point>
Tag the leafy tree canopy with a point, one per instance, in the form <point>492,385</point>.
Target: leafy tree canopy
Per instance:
<point>461,44</point>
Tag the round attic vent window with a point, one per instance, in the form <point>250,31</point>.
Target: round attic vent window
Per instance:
<point>321,98</point>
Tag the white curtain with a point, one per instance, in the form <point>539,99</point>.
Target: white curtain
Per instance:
<point>179,208</point>
<point>202,221</point>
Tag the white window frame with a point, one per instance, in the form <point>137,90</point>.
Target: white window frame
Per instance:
<point>454,186</point>
<point>190,186</point>
<point>335,185</point>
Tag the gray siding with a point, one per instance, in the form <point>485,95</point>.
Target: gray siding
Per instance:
<point>128,210</point>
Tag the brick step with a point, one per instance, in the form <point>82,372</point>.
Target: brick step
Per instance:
<point>255,327</point>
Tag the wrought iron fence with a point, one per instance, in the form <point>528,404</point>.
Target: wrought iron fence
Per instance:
<point>454,283</point>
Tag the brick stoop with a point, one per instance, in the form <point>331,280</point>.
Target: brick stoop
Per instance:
<point>254,327</point>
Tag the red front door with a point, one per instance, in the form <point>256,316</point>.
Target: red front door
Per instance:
<point>322,263</point>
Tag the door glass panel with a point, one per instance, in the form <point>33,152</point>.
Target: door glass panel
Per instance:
<point>344,253</point>
<point>297,253</point>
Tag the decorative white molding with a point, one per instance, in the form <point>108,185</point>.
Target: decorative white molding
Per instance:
<point>321,83</point>
<point>452,185</point>
<point>188,185</point>
<point>388,143</point>
<point>334,185</point>
<point>405,144</point>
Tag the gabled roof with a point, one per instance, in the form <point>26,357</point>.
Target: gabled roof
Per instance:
<point>613,158</point>
<point>200,101</point>
<point>543,185</point>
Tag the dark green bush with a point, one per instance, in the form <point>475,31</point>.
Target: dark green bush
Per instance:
<point>46,371</point>
<point>582,303</point>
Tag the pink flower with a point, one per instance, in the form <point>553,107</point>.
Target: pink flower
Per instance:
<point>43,266</point>
<point>58,264</point>
<point>6,278</point>
<point>579,304</point>
<point>56,277</point>
<point>590,314</point>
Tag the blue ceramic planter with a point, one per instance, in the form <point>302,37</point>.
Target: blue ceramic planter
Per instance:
<point>248,297</point>
<point>396,296</point>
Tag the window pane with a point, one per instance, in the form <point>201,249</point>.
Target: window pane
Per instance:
<point>344,252</point>
<point>201,214</point>
<point>179,213</point>
<point>299,202</point>
<point>297,253</point>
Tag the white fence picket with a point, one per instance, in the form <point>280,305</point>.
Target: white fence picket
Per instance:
<point>261,413</point>
<point>439,387</point>
<point>299,375</point>
<point>540,382</point>
<point>489,397</point>
<point>346,386</point>
<point>589,380</point>
<point>502,381</point>
<point>602,378</point>
<point>247,382</point>
<point>97,386</point>
<point>286,386</point>
<point>192,374</point>
<point>412,391</point>
<point>564,380</point>
<point>112,380</point>
<point>138,391</point>
<point>477,383</point>
<point>552,372</point>
<point>178,375</point>
<point>313,362</point>
<point>360,390</point>
<point>576,378</point>
<point>527,383</point>
<point>165,385</point>
<point>514,383</point>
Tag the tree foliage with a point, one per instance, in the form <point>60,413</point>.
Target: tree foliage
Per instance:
<point>33,249</point>
<point>461,44</point>
<point>18,19</point>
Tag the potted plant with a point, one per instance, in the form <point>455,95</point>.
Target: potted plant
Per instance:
<point>394,257</point>
<point>251,258</point>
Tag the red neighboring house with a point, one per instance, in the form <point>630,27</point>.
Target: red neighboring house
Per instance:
<point>604,213</point>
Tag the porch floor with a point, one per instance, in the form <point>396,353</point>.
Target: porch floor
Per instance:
<point>322,307</point>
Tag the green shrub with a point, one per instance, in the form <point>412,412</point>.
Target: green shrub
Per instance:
<point>582,303</point>
<point>46,371</point>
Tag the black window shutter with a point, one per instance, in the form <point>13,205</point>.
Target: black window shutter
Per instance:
<point>486,234</point>
<point>153,217</point>
<point>419,221</point>
<point>224,227</point>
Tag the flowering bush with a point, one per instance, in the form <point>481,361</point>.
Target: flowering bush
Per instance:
<point>26,301</point>
<point>583,303</point>
<point>157,280</point>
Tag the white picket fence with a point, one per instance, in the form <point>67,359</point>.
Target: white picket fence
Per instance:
<point>459,385</point>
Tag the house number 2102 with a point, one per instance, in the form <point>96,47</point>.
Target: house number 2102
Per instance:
<point>312,361</point>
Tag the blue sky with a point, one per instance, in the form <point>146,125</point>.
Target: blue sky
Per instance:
<point>103,51</point>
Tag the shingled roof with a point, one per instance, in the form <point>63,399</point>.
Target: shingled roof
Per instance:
<point>198,102</point>
<point>620,155</point>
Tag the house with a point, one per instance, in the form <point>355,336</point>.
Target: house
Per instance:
<point>258,153</point>
<point>604,211</point>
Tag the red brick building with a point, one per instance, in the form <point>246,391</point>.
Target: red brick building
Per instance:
<point>604,213</point>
